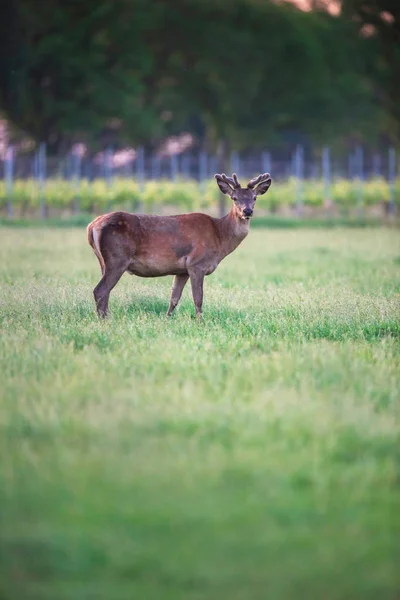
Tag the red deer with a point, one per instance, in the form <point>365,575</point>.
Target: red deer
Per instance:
<point>186,246</point>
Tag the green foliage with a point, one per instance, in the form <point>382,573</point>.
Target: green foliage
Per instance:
<point>248,73</point>
<point>82,71</point>
<point>253,456</point>
<point>381,19</point>
<point>186,195</point>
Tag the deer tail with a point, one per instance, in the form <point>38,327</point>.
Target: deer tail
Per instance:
<point>94,234</point>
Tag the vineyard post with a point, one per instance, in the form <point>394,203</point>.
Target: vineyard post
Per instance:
<point>41,174</point>
<point>185,163</point>
<point>9,177</point>
<point>155,166</point>
<point>140,175</point>
<point>235,163</point>
<point>326,173</point>
<point>108,174</point>
<point>66,167</point>
<point>34,166</point>
<point>360,177</point>
<point>67,171</point>
<point>265,162</point>
<point>392,178</point>
<point>299,171</point>
<point>223,162</point>
<point>376,165</point>
<point>203,171</point>
<point>128,168</point>
<point>350,172</point>
<point>77,180</point>
<point>87,169</point>
<point>212,166</point>
<point>174,166</point>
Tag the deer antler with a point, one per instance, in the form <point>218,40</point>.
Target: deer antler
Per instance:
<point>257,180</point>
<point>232,181</point>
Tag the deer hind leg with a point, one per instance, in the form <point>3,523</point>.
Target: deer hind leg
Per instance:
<point>196,281</point>
<point>177,289</point>
<point>112,274</point>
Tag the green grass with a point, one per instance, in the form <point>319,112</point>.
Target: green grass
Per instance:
<point>271,221</point>
<point>254,456</point>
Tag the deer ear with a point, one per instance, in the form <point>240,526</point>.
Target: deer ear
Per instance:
<point>263,187</point>
<point>223,186</point>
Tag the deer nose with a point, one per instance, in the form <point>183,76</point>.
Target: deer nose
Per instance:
<point>247,212</point>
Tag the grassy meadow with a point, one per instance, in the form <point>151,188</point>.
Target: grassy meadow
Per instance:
<point>253,456</point>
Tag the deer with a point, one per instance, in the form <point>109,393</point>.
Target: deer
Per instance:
<point>187,246</point>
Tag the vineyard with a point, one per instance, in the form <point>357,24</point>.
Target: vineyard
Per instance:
<point>344,196</point>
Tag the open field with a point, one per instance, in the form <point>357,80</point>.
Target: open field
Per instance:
<point>254,456</point>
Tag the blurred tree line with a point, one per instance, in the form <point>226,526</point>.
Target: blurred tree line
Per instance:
<point>238,74</point>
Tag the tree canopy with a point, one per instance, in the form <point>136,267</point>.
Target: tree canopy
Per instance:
<point>380,19</point>
<point>249,72</point>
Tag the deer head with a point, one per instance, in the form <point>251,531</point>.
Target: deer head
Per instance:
<point>244,198</point>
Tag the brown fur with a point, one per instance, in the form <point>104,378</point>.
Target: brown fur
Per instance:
<point>187,246</point>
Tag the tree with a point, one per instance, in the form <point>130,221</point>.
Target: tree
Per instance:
<point>256,72</point>
<point>380,20</point>
<point>241,73</point>
<point>78,70</point>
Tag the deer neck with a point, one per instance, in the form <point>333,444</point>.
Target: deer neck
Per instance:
<point>232,230</point>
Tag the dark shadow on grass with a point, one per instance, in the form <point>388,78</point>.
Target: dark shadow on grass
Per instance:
<point>152,304</point>
<point>155,305</point>
<point>284,322</point>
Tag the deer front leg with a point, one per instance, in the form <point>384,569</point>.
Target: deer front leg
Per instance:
<point>177,289</point>
<point>197,280</point>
